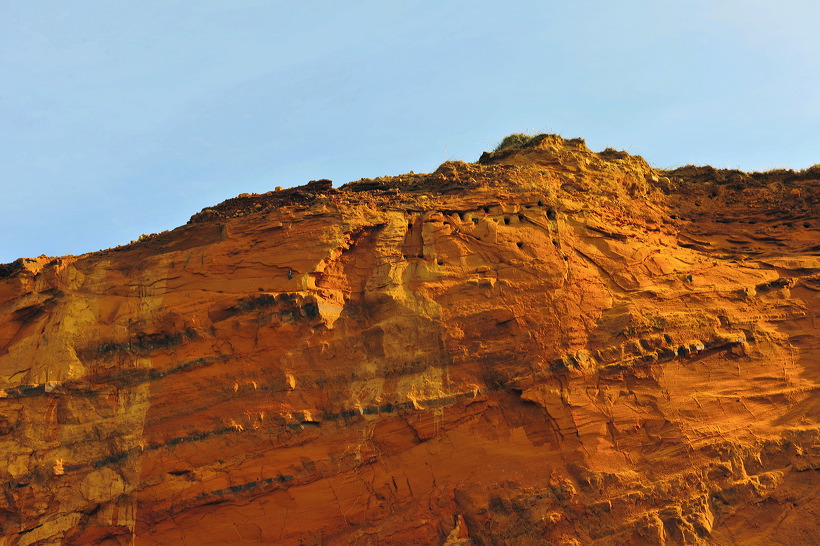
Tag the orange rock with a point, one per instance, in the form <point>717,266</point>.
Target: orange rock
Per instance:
<point>547,346</point>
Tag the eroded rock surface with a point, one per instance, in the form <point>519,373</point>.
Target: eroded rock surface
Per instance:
<point>549,345</point>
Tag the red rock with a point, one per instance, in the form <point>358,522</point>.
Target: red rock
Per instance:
<point>547,346</point>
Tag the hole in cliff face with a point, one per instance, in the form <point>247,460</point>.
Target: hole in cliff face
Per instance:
<point>258,302</point>
<point>475,220</point>
<point>683,351</point>
<point>519,244</point>
<point>558,365</point>
<point>311,310</point>
<point>540,203</point>
<point>499,506</point>
<point>506,221</point>
<point>555,243</point>
<point>520,217</point>
<point>486,209</point>
<point>673,526</point>
<point>440,262</point>
<point>551,215</point>
<point>29,313</point>
<point>666,354</point>
<point>724,321</point>
<point>806,225</point>
<point>667,338</point>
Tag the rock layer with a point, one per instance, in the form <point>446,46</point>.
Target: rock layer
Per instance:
<point>549,345</point>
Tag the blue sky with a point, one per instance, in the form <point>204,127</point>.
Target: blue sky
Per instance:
<point>123,118</point>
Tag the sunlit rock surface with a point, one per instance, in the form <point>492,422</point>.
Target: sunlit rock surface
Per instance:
<point>547,346</point>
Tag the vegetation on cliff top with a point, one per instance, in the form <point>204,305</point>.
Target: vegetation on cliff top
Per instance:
<point>515,140</point>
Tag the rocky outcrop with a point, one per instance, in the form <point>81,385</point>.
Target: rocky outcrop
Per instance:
<point>547,346</point>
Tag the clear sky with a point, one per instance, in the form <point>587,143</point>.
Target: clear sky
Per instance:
<point>123,118</point>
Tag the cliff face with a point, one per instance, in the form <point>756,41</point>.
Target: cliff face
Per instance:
<point>548,345</point>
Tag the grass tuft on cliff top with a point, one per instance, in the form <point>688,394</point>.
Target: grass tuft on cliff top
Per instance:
<point>515,140</point>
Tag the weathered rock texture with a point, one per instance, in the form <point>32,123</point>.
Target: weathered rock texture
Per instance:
<point>549,345</point>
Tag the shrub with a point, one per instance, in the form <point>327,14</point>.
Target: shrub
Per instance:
<point>515,140</point>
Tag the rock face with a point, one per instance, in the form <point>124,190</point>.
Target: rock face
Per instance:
<point>547,346</point>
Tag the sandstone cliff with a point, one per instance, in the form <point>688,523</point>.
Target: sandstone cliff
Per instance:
<point>548,346</point>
